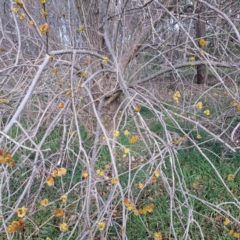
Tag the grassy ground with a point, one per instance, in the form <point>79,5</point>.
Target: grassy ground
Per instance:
<point>192,170</point>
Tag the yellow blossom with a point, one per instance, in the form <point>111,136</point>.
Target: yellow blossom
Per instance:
<point>54,172</point>
<point>199,105</point>
<point>176,96</point>
<point>43,1</point>
<point>22,16</point>
<point>83,74</point>
<point>1,100</point>
<point>107,166</point>
<point>100,172</point>
<point>157,236</point>
<point>101,225</point>
<point>19,3</point>
<point>134,139</point>
<point>157,173</point>
<point>48,238</point>
<point>126,150</point>
<point>61,105</point>
<point>58,212</point>
<point>154,179</point>
<point>63,227</point>
<point>50,181</point>
<point>202,43</point>
<point>105,59</point>
<point>199,136</point>
<point>15,226</point>
<point>21,212</point>
<point>44,13</point>
<point>238,107</point>
<point>81,28</point>
<point>85,174</point>
<point>30,23</point>
<point>126,132</point>
<point>233,103</point>
<point>44,202</point>
<point>236,235</point>
<point>230,177</point>
<point>63,198</point>
<point>142,211</point>
<point>231,232</point>
<point>124,155</point>
<point>114,181</point>
<point>202,52</point>
<point>61,171</point>
<point>140,185</point>
<point>116,133</point>
<point>226,221</point>
<point>44,28</point>
<point>136,212</point>
<point>192,58</point>
<point>137,108</point>
<point>15,10</point>
<point>207,112</point>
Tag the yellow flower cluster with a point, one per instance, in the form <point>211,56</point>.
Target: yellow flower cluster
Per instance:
<point>15,10</point>
<point>233,103</point>
<point>21,212</point>
<point>105,59</point>
<point>85,174</point>
<point>19,3</point>
<point>61,105</point>
<point>44,28</point>
<point>126,132</point>
<point>226,221</point>
<point>43,1</point>
<point>134,139</point>
<point>179,140</point>
<point>114,181</point>
<point>44,202</point>
<point>15,226</point>
<point>55,173</point>
<point>137,108</point>
<point>6,158</point>
<point>44,13</point>
<point>58,212</point>
<point>176,96</point>
<point>157,236</point>
<point>202,43</point>
<point>63,227</point>
<point>230,177</point>
<point>116,133</point>
<point>100,172</point>
<point>199,105</point>
<point>50,181</point>
<point>207,112</point>
<point>157,173</point>
<point>22,16</point>
<point>101,225</point>
<point>130,206</point>
<point>59,172</point>
<point>145,210</point>
<point>81,28</point>
<point>63,198</point>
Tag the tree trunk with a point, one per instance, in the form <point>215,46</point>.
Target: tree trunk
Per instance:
<point>201,33</point>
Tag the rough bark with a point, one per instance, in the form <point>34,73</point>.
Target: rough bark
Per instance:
<point>201,33</point>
